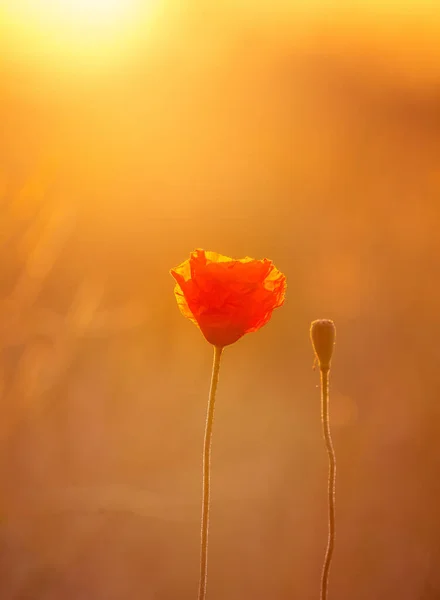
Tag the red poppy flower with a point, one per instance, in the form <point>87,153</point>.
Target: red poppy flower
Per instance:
<point>227,298</point>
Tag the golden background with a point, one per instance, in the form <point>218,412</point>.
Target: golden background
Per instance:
<point>307,132</point>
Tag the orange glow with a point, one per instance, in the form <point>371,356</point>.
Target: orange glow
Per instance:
<point>132,132</point>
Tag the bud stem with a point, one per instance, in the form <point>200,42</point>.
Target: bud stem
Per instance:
<point>331,479</point>
<point>206,472</point>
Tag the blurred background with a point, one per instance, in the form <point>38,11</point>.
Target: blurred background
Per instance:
<point>133,132</point>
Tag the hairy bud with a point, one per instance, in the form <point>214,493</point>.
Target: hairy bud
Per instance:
<point>323,333</point>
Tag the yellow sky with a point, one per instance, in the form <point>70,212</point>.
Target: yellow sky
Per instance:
<point>78,34</point>
<point>82,32</point>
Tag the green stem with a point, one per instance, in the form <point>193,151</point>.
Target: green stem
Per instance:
<point>206,472</point>
<point>331,479</point>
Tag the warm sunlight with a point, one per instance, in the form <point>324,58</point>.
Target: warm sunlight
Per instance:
<point>99,12</point>
<point>90,29</point>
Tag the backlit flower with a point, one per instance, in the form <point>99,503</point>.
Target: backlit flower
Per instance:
<point>227,298</point>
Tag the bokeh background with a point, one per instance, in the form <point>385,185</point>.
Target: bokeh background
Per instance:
<point>307,132</point>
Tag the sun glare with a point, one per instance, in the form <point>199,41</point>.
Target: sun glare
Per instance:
<point>60,29</point>
<point>85,12</point>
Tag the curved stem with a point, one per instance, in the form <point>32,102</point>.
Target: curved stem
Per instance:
<point>206,472</point>
<point>331,479</point>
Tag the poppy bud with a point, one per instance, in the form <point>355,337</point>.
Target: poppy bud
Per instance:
<point>323,333</point>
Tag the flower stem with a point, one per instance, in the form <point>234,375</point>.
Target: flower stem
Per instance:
<point>331,479</point>
<point>206,472</point>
